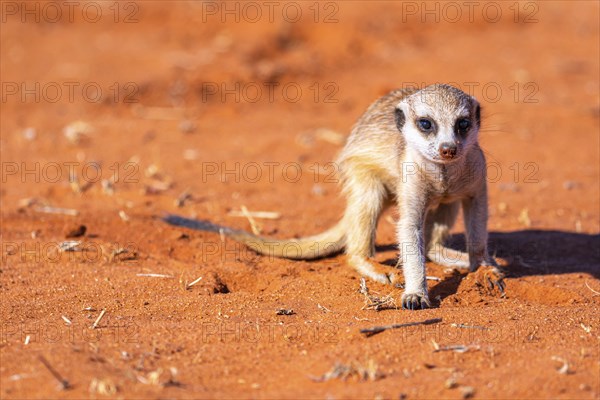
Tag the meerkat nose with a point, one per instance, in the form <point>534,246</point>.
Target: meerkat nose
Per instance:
<point>448,150</point>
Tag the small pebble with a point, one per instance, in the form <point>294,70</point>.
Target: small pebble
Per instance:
<point>187,126</point>
<point>467,392</point>
<point>570,185</point>
<point>450,383</point>
<point>29,133</point>
<point>77,232</point>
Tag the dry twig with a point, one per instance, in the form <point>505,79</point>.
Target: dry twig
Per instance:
<point>368,332</point>
<point>63,382</point>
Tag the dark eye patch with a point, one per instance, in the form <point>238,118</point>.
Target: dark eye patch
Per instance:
<point>425,125</point>
<point>462,126</point>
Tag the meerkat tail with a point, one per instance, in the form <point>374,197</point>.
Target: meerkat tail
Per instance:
<point>307,248</point>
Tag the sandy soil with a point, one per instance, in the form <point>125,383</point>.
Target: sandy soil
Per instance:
<point>118,111</point>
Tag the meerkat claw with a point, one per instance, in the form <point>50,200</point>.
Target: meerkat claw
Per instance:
<point>495,280</point>
<point>412,301</point>
<point>501,287</point>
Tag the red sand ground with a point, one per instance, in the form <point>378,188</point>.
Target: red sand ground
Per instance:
<point>160,125</point>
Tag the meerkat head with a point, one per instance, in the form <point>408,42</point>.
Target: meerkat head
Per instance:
<point>440,121</point>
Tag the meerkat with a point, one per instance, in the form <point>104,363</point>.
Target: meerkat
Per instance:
<point>417,150</point>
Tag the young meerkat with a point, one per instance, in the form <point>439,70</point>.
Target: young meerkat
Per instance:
<point>417,150</point>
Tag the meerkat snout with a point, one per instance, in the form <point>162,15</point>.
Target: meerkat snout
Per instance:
<point>448,150</point>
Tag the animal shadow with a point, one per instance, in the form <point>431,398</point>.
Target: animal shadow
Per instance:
<point>529,253</point>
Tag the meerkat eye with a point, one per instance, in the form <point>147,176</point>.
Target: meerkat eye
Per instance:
<point>463,125</point>
<point>425,125</point>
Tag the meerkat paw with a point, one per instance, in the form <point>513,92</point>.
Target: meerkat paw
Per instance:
<point>374,271</point>
<point>448,257</point>
<point>414,301</point>
<point>491,277</point>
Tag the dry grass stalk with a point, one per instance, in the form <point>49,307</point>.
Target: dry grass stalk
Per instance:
<point>69,245</point>
<point>469,326</point>
<point>323,308</point>
<point>189,285</point>
<point>459,348</point>
<point>368,372</point>
<point>28,202</point>
<point>77,187</point>
<point>587,329</point>
<point>152,275</point>
<point>256,214</point>
<point>123,216</point>
<point>182,198</point>
<point>373,302</point>
<point>97,321</point>
<point>56,210</point>
<point>596,293</point>
<point>564,368</point>
<point>256,229</point>
<point>329,135</point>
<point>156,187</point>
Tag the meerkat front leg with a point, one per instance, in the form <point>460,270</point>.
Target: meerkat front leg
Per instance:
<point>437,229</point>
<point>412,249</point>
<point>476,215</point>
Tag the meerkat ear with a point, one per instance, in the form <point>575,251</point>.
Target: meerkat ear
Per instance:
<point>477,112</point>
<point>400,115</point>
